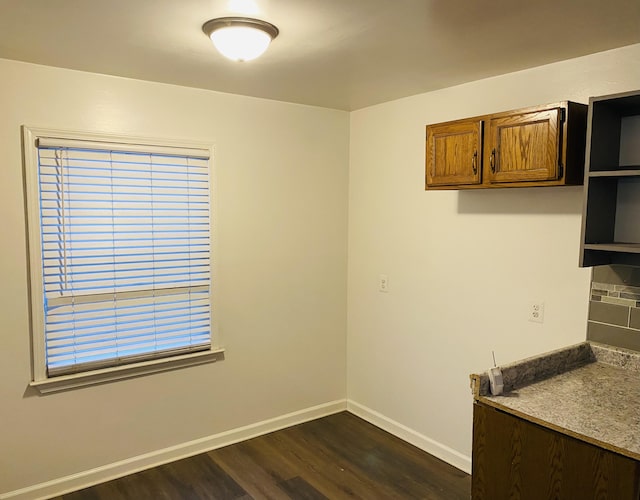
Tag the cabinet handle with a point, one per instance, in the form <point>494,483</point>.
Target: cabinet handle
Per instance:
<point>492,161</point>
<point>474,162</point>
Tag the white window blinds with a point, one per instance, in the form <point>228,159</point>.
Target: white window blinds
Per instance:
<point>125,235</point>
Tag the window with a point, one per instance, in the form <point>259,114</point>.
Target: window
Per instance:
<point>120,256</point>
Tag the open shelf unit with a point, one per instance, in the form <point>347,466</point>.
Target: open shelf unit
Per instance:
<point>611,213</point>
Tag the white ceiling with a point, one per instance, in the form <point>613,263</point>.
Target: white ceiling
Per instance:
<point>343,54</point>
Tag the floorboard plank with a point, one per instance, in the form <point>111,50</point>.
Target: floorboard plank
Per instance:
<point>299,489</point>
<point>192,478</point>
<point>252,472</point>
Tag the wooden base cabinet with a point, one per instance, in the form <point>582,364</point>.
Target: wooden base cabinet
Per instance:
<point>539,146</point>
<point>516,459</point>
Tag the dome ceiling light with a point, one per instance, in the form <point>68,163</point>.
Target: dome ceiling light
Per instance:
<point>240,38</point>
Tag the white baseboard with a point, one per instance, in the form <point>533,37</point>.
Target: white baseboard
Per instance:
<point>435,448</point>
<point>122,468</point>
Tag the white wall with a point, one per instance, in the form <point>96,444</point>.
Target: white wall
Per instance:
<point>463,267</point>
<point>281,173</point>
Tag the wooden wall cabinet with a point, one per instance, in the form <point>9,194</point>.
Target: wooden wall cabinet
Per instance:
<point>538,146</point>
<point>610,227</point>
<point>516,459</point>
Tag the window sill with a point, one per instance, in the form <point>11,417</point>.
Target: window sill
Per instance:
<point>66,382</point>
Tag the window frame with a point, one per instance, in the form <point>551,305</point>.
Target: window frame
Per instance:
<point>39,377</point>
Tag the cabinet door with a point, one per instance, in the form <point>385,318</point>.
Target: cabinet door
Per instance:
<point>454,153</point>
<point>516,459</point>
<point>524,147</point>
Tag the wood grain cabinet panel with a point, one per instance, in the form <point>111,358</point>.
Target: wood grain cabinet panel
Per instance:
<point>536,146</point>
<point>453,153</point>
<point>514,459</point>
<point>524,147</point>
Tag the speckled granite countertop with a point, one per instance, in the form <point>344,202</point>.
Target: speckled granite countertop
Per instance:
<point>589,391</point>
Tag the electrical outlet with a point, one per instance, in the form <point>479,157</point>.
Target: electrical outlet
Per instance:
<point>383,283</point>
<point>536,312</point>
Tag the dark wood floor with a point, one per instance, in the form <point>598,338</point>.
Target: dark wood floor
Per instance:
<point>339,456</point>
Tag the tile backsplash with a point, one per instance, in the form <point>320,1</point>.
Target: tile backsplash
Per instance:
<point>614,306</point>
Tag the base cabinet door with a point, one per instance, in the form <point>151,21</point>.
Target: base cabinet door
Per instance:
<point>454,153</point>
<point>516,459</point>
<point>524,147</point>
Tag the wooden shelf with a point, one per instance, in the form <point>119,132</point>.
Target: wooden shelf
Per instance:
<point>614,247</point>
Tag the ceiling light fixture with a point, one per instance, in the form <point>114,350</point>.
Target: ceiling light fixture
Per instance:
<point>240,38</point>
